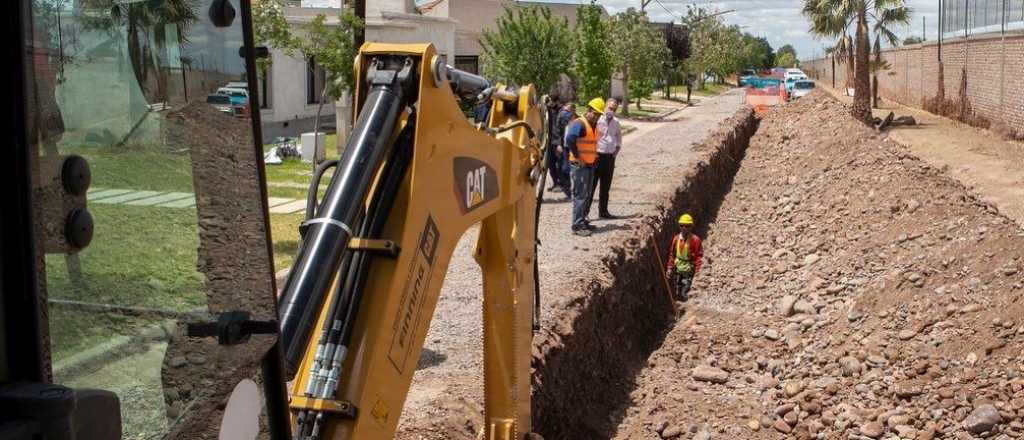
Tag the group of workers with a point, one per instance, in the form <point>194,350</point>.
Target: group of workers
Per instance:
<point>582,158</point>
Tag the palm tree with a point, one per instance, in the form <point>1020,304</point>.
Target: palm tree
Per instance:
<point>832,18</point>
<point>886,13</point>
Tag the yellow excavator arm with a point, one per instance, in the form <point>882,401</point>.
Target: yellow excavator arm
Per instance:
<point>414,176</point>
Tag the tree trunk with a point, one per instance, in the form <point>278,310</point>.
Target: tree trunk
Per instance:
<point>874,76</point>
<point>625,90</point>
<point>862,83</point>
<point>941,84</point>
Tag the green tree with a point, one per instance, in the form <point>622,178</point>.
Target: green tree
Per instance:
<point>528,46</point>
<point>593,61</point>
<point>324,45</point>
<point>785,60</point>
<point>146,25</point>
<point>786,48</point>
<point>638,52</point>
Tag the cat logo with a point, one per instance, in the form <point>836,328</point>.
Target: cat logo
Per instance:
<point>475,186</point>
<point>476,183</point>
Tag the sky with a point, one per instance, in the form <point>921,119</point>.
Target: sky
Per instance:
<point>779,21</point>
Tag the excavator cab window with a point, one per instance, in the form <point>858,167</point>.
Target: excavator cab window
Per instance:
<point>149,238</point>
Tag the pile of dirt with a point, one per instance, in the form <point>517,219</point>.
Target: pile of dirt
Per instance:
<point>850,291</point>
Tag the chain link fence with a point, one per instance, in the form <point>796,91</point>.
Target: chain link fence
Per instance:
<point>968,17</point>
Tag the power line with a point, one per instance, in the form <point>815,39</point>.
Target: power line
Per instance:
<point>667,10</point>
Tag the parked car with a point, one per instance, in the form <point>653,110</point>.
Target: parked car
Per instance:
<point>745,75</point>
<point>801,88</point>
<point>791,80</point>
<point>220,102</point>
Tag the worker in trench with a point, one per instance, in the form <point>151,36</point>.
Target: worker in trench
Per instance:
<point>684,258</point>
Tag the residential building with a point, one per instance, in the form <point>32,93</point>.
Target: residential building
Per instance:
<point>290,93</point>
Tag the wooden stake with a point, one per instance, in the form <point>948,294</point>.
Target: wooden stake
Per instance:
<point>661,270</point>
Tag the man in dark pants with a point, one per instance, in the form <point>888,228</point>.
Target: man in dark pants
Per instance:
<point>558,161</point>
<point>609,142</point>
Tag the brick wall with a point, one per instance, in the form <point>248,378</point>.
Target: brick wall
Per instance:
<point>995,74</point>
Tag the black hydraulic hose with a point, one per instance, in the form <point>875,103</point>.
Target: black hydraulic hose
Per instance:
<point>314,186</point>
<point>389,188</point>
<point>328,234</point>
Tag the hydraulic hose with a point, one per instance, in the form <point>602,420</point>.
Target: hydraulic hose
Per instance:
<point>328,233</point>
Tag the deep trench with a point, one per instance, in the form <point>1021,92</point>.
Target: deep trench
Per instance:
<point>585,370</point>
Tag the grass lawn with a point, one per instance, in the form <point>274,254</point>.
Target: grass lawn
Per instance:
<point>708,90</point>
<point>147,256</point>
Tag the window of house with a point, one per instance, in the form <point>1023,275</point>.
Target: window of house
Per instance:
<point>468,63</point>
<point>316,77</point>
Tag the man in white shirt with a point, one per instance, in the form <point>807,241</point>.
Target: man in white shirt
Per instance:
<point>609,142</point>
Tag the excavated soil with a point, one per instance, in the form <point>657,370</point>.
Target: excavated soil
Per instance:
<point>850,291</point>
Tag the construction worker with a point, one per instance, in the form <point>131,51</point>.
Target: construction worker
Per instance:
<point>581,141</point>
<point>684,257</point>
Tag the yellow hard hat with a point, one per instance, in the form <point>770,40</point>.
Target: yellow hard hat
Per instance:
<point>686,220</point>
<point>597,104</point>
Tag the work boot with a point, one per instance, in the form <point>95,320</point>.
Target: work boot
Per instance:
<point>582,232</point>
<point>608,216</point>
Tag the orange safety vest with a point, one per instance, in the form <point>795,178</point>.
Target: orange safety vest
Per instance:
<point>586,145</point>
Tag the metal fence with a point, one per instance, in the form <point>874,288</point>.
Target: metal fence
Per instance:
<point>966,17</point>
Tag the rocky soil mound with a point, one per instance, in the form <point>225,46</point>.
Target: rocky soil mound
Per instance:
<point>850,291</point>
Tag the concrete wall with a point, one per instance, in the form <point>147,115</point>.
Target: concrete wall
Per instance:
<point>993,66</point>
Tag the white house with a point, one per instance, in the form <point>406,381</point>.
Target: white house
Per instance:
<point>290,93</point>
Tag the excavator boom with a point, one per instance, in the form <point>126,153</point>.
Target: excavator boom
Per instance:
<point>415,175</point>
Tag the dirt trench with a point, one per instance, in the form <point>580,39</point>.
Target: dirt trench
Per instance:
<point>586,366</point>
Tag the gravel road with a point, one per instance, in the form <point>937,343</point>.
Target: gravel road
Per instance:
<point>450,376</point>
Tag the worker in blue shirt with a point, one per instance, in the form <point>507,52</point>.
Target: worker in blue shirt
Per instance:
<point>581,141</point>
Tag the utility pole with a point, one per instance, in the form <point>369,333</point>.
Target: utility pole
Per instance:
<point>643,4</point>
<point>924,28</point>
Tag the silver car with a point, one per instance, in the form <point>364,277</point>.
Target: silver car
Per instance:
<point>801,88</point>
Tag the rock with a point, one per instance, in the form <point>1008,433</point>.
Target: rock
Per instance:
<point>906,335</point>
<point>786,305</point>
<point>854,315</point>
<point>811,259</point>
<point>906,431</point>
<point>791,418</point>
<point>850,365</point>
<point>793,387</point>
<point>772,335</point>
<point>783,427</point>
<point>804,307</point>
<point>754,425</point>
<point>672,432</point>
<point>783,254</point>
<point>872,430</point>
<point>983,418</point>
<point>908,389</point>
<point>177,362</point>
<point>710,374</point>
<point>913,205</point>
<point>784,409</point>
<point>196,359</point>
<point>702,435</point>
<point>174,410</point>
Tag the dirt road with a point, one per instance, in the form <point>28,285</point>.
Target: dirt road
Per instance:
<point>449,381</point>
<point>851,291</point>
